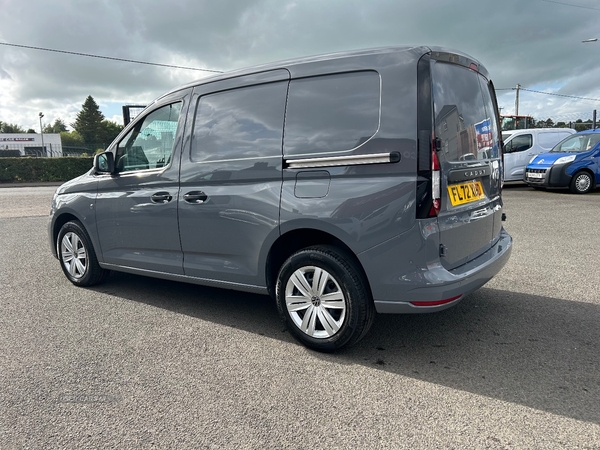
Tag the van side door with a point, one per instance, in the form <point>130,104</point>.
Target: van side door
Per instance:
<point>231,175</point>
<point>517,153</point>
<point>136,207</point>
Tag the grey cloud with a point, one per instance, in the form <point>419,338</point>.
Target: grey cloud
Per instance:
<point>534,43</point>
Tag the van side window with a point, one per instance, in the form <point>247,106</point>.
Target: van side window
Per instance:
<point>149,145</point>
<point>519,143</point>
<point>239,124</point>
<point>331,113</point>
<point>550,139</point>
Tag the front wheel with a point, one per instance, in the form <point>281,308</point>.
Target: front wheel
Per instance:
<point>581,183</point>
<point>77,256</point>
<point>323,298</point>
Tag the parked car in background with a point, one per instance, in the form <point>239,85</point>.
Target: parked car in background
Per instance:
<point>522,145</point>
<point>573,163</point>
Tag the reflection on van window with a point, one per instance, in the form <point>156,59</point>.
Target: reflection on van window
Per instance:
<point>578,143</point>
<point>149,145</point>
<point>241,123</point>
<point>464,114</point>
<point>331,113</point>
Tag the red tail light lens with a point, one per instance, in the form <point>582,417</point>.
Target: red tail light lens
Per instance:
<point>436,303</point>
<point>436,188</point>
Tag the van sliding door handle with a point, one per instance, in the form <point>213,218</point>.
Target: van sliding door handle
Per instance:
<point>196,197</point>
<point>161,197</point>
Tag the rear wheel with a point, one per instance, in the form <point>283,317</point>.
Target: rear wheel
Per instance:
<point>77,256</point>
<point>323,298</point>
<point>581,183</point>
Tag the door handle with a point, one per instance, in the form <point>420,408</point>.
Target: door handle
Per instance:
<point>196,197</point>
<point>161,197</point>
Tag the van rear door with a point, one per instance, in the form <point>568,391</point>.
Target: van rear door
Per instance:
<point>467,144</point>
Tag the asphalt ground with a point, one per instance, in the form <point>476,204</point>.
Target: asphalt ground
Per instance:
<point>144,363</point>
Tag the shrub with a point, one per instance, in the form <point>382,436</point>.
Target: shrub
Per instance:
<point>30,170</point>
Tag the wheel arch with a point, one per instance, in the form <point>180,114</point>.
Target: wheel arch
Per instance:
<point>294,240</point>
<point>58,223</point>
<point>588,170</point>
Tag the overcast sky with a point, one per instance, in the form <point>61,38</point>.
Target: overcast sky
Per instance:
<point>535,43</point>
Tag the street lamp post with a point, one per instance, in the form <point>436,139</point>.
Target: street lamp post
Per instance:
<point>42,133</point>
<point>585,41</point>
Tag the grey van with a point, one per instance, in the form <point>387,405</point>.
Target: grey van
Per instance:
<point>342,185</point>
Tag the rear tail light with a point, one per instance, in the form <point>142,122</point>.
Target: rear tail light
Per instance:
<point>436,188</point>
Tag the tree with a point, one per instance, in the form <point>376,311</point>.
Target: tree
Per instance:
<point>58,127</point>
<point>10,128</point>
<point>109,131</point>
<point>71,139</point>
<point>89,122</point>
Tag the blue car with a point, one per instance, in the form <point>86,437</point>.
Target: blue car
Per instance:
<point>574,163</point>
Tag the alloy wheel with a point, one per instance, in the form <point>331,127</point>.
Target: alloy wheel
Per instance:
<point>315,302</point>
<point>74,255</point>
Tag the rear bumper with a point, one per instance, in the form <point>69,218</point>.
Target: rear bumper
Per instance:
<point>437,283</point>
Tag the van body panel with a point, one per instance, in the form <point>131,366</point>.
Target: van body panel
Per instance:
<point>413,283</point>
<point>76,198</point>
<point>367,203</point>
<point>222,233</point>
<point>134,229</point>
<point>469,151</point>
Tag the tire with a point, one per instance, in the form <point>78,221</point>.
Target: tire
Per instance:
<point>320,323</point>
<point>77,256</point>
<point>581,183</point>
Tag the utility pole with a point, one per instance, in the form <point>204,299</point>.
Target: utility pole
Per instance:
<point>517,100</point>
<point>42,134</point>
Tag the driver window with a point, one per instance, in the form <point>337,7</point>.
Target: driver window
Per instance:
<point>149,145</point>
<point>519,143</point>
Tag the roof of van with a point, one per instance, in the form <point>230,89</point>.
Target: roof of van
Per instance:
<point>286,64</point>
<point>525,130</point>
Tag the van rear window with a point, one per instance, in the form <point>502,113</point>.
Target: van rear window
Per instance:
<point>465,120</point>
<point>331,113</point>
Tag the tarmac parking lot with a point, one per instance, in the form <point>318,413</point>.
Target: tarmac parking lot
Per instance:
<point>145,363</point>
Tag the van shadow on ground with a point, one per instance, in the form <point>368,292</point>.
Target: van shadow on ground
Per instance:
<point>534,351</point>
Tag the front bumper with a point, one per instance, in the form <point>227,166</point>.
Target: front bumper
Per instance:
<point>553,176</point>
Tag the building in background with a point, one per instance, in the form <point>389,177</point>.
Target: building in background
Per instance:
<point>30,144</point>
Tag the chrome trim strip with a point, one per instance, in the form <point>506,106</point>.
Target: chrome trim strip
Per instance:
<point>379,158</point>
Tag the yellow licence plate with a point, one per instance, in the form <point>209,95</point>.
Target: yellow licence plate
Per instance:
<point>462,193</point>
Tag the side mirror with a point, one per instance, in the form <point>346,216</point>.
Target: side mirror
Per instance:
<point>104,163</point>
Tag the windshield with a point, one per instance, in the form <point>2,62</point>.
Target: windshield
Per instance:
<point>577,143</point>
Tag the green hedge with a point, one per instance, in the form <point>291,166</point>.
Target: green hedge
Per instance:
<point>31,170</point>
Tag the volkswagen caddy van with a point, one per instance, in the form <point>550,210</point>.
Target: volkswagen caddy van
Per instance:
<point>342,185</point>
